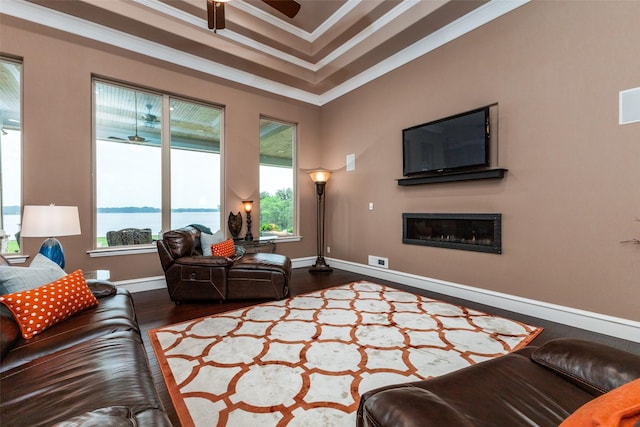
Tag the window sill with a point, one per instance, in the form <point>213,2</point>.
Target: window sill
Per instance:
<point>16,259</point>
<point>123,250</point>
<point>282,239</point>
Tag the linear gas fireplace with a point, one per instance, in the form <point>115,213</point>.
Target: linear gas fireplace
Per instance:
<point>471,232</point>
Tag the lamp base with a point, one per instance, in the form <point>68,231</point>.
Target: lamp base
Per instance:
<point>320,266</point>
<point>52,249</point>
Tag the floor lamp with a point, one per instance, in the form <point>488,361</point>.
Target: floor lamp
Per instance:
<point>50,221</point>
<point>320,177</point>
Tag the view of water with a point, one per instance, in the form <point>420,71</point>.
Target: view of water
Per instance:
<point>118,221</point>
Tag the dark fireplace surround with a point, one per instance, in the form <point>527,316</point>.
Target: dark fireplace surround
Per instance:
<point>480,232</point>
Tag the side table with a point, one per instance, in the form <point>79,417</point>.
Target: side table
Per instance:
<point>257,246</point>
<point>97,274</point>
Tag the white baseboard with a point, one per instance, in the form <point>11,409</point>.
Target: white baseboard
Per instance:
<point>143,284</point>
<point>596,322</point>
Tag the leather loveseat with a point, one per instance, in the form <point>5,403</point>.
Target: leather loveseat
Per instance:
<point>534,386</point>
<point>89,369</point>
<point>192,276</point>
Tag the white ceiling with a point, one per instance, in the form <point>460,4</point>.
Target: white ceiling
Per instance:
<point>330,48</point>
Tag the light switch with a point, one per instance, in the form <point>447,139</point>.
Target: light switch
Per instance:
<point>370,206</point>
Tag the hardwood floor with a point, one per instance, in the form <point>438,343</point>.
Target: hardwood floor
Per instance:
<point>154,309</point>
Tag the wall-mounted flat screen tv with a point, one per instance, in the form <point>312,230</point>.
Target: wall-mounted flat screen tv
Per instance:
<point>447,145</point>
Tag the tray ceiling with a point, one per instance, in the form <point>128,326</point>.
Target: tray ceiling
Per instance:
<point>330,48</point>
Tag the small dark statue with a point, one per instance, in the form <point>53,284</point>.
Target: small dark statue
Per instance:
<point>235,224</point>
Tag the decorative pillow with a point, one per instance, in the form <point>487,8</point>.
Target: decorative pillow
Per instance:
<point>620,408</point>
<point>226,248</point>
<point>41,271</point>
<point>206,240</point>
<point>37,309</point>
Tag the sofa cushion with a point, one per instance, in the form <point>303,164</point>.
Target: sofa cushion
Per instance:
<point>619,407</point>
<point>111,370</point>
<point>38,309</point>
<point>41,271</point>
<point>113,314</point>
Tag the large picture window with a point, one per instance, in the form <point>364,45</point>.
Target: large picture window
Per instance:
<point>157,164</point>
<point>277,179</point>
<point>10,155</point>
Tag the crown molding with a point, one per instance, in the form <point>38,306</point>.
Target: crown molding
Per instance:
<point>292,29</point>
<point>478,17</point>
<point>43,16</point>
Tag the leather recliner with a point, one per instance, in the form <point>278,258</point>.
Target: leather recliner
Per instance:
<point>192,276</point>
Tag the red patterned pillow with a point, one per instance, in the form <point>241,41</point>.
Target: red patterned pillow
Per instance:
<point>226,248</point>
<point>37,309</point>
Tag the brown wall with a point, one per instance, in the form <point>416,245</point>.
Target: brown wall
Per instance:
<point>554,68</point>
<point>57,134</point>
<point>573,186</point>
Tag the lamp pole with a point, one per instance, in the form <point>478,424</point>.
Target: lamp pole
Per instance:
<point>320,177</point>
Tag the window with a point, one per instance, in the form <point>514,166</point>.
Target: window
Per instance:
<point>277,179</point>
<point>10,155</point>
<point>157,164</point>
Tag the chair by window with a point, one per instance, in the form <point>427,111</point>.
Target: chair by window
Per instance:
<point>129,236</point>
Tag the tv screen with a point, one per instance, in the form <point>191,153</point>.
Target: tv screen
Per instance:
<point>449,144</point>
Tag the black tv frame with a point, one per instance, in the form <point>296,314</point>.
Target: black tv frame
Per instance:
<point>479,166</point>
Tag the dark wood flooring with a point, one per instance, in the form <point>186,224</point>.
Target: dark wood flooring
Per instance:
<point>154,309</point>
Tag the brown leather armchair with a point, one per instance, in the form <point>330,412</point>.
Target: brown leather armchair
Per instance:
<point>192,276</point>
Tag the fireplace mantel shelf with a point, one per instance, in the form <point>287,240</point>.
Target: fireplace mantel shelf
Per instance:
<point>453,177</point>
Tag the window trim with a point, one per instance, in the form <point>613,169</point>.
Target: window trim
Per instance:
<point>20,256</point>
<point>295,236</point>
<point>165,179</point>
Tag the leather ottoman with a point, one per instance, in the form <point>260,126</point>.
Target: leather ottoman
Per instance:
<point>259,276</point>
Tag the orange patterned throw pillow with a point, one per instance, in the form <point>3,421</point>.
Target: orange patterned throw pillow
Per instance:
<point>618,408</point>
<point>226,248</point>
<point>37,309</point>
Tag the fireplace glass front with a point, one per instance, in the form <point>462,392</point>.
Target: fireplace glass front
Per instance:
<point>471,232</point>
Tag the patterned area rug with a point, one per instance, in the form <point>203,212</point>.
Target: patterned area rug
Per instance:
<point>306,360</point>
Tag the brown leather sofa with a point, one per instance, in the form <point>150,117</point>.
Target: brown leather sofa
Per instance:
<point>192,276</point>
<point>534,386</point>
<point>90,369</point>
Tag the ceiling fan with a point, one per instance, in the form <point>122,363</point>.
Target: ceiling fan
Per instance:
<point>215,11</point>
<point>136,137</point>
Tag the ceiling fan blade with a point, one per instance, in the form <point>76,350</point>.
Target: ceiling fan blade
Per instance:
<point>218,12</point>
<point>210,15</point>
<point>288,7</point>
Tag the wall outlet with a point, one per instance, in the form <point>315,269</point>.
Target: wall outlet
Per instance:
<point>328,249</point>
<point>378,261</point>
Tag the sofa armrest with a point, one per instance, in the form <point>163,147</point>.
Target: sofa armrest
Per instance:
<point>9,331</point>
<point>407,406</point>
<point>101,288</point>
<point>595,367</point>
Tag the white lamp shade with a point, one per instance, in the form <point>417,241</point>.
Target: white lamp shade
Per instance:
<point>50,221</point>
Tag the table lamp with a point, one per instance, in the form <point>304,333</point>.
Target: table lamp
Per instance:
<point>49,221</point>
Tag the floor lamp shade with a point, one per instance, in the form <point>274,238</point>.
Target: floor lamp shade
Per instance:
<point>50,221</point>
<point>320,178</point>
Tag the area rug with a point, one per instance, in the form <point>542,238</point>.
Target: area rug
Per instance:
<point>306,360</point>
